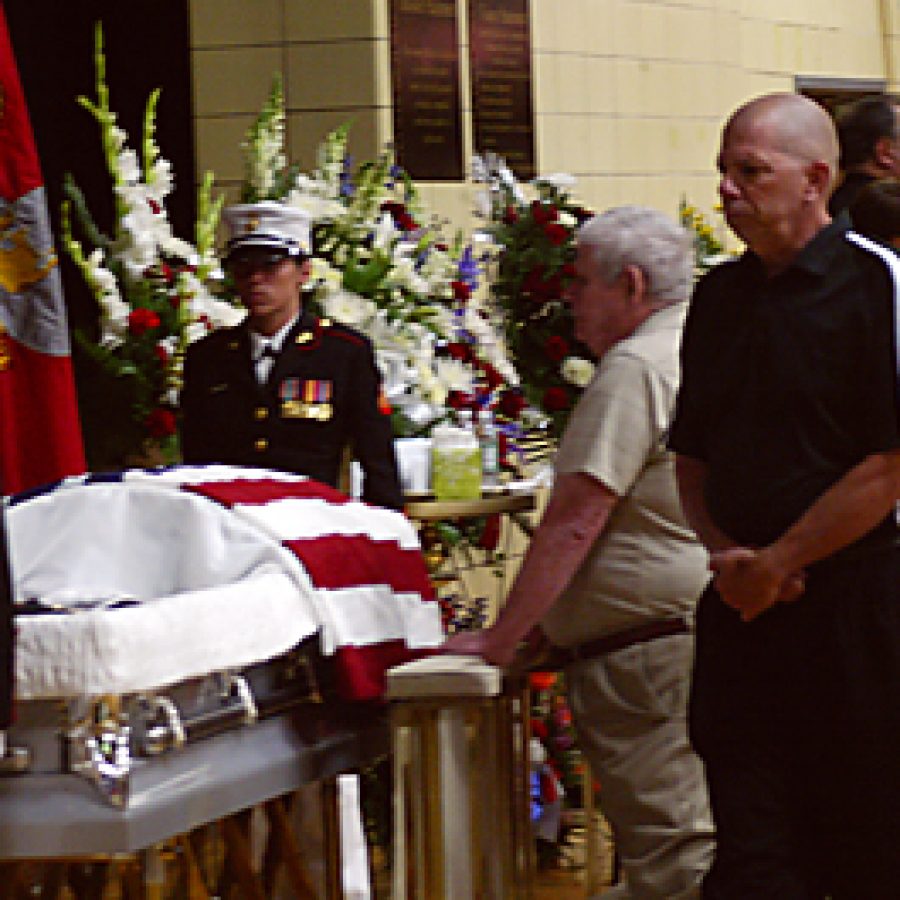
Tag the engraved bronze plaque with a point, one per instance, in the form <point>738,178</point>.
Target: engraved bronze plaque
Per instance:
<point>425,83</point>
<point>500,62</point>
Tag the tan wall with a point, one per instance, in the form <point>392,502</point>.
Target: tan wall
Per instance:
<point>629,94</point>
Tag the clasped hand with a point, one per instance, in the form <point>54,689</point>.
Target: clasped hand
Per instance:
<point>748,581</point>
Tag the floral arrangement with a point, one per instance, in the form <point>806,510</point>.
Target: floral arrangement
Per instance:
<point>534,249</point>
<point>152,288</point>
<point>709,250</point>
<point>382,265</point>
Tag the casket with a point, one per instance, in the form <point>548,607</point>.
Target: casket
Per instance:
<point>187,642</point>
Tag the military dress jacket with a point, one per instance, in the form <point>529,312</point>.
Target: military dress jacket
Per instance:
<point>322,395</point>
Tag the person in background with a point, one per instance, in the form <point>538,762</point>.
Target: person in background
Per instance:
<point>284,389</point>
<point>869,137</point>
<point>788,441</point>
<point>613,572</point>
<point>876,211</point>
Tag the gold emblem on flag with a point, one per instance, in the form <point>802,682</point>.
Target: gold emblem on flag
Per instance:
<point>21,264</point>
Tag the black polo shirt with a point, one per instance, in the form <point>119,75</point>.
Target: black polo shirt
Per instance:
<point>787,382</point>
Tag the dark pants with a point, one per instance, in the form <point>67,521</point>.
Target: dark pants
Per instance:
<point>796,717</point>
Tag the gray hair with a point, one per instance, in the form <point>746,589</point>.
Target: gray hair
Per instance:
<point>646,238</point>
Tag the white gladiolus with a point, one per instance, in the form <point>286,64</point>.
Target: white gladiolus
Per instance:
<point>577,370</point>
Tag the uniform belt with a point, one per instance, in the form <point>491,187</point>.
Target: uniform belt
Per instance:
<point>609,643</point>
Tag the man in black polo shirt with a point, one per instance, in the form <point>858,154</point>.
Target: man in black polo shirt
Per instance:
<point>787,436</point>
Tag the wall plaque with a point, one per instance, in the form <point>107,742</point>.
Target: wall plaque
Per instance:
<point>425,82</point>
<point>500,60</point>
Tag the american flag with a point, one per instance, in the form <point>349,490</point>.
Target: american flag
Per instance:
<point>359,566</point>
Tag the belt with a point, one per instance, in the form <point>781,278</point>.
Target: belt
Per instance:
<point>609,643</point>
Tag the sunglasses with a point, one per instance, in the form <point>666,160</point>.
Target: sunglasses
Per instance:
<point>244,263</point>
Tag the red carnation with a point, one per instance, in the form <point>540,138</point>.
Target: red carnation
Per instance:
<point>160,423</point>
<point>167,271</point>
<point>405,222</point>
<point>556,348</point>
<point>161,354</point>
<point>512,403</point>
<point>543,213</point>
<point>557,234</point>
<point>174,300</point>
<point>154,206</point>
<point>510,216</point>
<point>555,399</point>
<point>461,291</point>
<point>141,320</point>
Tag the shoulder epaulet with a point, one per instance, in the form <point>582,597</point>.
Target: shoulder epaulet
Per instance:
<point>345,333</point>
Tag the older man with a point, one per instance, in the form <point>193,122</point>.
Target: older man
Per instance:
<point>613,571</point>
<point>787,433</point>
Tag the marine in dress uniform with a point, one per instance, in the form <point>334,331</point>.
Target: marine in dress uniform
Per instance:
<point>285,389</point>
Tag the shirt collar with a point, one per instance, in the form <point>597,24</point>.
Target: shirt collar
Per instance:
<point>258,341</point>
<point>817,255</point>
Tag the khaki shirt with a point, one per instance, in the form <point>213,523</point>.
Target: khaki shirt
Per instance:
<point>646,564</point>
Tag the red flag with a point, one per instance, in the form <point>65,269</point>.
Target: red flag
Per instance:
<point>40,433</point>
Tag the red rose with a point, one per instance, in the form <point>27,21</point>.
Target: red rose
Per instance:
<point>539,729</point>
<point>542,213</point>
<point>462,352</point>
<point>460,400</point>
<point>141,320</point>
<point>534,279</point>
<point>461,291</point>
<point>551,288</point>
<point>160,423</point>
<point>568,270</point>
<point>405,222</point>
<point>510,216</point>
<point>493,378</point>
<point>555,399</point>
<point>511,404</point>
<point>556,348</point>
<point>557,234</point>
<point>167,272</point>
<point>542,681</point>
<point>161,354</point>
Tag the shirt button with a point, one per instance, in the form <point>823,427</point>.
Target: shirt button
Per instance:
<point>260,412</point>
<point>261,445</point>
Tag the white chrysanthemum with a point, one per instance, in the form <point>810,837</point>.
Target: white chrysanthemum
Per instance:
<point>349,308</point>
<point>403,274</point>
<point>577,371</point>
<point>385,232</point>
<point>566,218</point>
<point>454,375</point>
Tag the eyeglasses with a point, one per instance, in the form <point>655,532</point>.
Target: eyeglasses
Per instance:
<point>245,263</point>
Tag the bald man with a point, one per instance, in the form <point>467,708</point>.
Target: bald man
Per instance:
<point>786,430</point>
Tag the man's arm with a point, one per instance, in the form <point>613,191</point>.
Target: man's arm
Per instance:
<point>752,580</point>
<point>577,513</point>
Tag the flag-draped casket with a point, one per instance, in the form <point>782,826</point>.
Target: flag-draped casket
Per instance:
<point>157,610</point>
